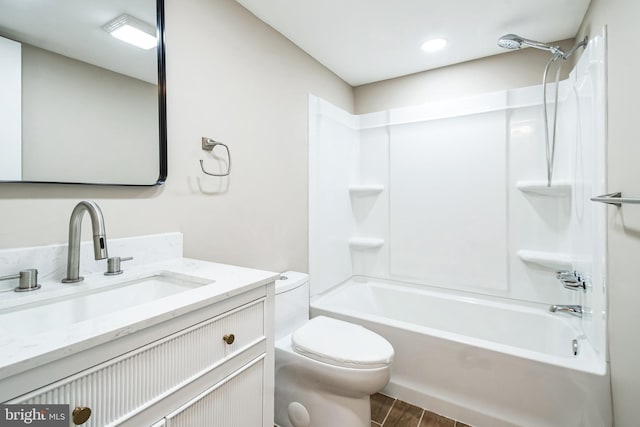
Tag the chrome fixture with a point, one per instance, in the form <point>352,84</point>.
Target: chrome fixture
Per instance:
<point>572,280</point>
<point>574,310</point>
<point>209,144</point>
<point>113,265</point>
<point>615,199</point>
<point>574,347</point>
<point>28,280</point>
<point>512,41</point>
<point>99,238</point>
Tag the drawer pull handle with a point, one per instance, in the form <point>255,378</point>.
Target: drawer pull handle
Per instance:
<point>80,415</point>
<point>229,339</point>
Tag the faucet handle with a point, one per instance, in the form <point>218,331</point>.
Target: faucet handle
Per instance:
<point>567,275</point>
<point>571,280</point>
<point>113,265</point>
<point>28,280</point>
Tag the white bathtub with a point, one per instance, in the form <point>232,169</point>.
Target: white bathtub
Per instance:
<point>485,362</point>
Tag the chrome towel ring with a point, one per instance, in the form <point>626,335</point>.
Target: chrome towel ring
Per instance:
<point>209,144</point>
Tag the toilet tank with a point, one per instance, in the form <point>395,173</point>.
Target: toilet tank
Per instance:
<point>291,302</point>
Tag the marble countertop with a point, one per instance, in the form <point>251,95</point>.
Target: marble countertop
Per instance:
<point>20,350</point>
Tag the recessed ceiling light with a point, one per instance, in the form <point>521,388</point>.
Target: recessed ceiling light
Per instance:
<point>434,45</point>
<point>133,31</point>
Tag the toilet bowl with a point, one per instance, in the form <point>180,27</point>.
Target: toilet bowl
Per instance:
<point>326,369</point>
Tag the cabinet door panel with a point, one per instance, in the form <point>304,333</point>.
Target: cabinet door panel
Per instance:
<point>235,401</point>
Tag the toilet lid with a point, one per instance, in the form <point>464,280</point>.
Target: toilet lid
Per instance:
<point>342,344</point>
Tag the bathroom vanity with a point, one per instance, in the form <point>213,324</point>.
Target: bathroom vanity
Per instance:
<point>173,342</point>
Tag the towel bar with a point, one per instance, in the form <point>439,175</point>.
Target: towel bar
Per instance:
<point>615,199</point>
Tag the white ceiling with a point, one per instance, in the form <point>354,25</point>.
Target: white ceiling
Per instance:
<point>364,41</point>
<point>73,28</point>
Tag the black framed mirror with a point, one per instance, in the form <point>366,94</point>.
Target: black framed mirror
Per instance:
<point>79,105</point>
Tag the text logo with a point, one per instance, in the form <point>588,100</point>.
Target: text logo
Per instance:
<point>34,415</point>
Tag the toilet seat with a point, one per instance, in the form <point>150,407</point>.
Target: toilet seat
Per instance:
<point>341,344</point>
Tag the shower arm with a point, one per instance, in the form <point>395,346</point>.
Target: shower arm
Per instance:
<point>513,41</point>
<point>555,50</point>
<point>571,51</point>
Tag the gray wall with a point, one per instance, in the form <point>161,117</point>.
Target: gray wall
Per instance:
<point>233,78</point>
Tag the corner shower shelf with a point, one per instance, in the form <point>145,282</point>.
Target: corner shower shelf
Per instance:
<point>365,243</point>
<point>557,189</point>
<point>551,260</point>
<point>366,190</point>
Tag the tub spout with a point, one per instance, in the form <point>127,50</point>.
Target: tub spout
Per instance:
<point>574,310</point>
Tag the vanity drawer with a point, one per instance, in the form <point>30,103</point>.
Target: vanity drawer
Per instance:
<point>126,385</point>
<point>234,401</point>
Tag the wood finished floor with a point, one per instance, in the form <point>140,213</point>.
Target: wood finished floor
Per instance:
<point>389,412</point>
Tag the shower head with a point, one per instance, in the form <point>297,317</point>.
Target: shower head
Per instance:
<point>512,41</point>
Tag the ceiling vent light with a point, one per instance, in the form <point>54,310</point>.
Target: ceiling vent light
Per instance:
<point>133,31</point>
<point>434,45</point>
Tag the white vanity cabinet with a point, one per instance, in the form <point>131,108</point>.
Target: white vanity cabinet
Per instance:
<point>209,367</point>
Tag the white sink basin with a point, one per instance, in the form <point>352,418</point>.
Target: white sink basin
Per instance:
<point>66,310</point>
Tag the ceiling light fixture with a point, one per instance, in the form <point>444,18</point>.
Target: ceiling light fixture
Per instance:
<point>133,31</point>
<point>434,45</point>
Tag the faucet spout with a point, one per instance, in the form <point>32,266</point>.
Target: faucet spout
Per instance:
<point>574,310</point>
<point>99,238</point>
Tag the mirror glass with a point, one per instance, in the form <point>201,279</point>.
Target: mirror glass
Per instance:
<point>78,104</point>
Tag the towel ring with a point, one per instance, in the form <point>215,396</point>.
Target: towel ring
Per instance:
<point>208,144</point>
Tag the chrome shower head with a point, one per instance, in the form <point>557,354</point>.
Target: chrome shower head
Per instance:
<point>512,41</point>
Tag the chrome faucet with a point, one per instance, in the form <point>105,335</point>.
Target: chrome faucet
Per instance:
<point>574,310</point>
<point>99,238</point>
<point>572,280</point>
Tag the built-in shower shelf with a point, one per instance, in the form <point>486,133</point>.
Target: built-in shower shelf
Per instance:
<point>552,260</point>
<point>366,190</point>
<point>365,243</point>
<point>557,189</point>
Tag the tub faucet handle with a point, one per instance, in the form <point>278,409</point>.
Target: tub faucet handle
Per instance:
<point>571,280</point>
<point>563,274</point>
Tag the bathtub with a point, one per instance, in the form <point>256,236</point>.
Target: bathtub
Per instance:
<point>483,361</point>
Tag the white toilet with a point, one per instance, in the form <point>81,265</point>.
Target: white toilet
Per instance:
<point>326,369</point>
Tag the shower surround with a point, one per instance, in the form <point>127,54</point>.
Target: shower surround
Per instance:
<point>450,200</point>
